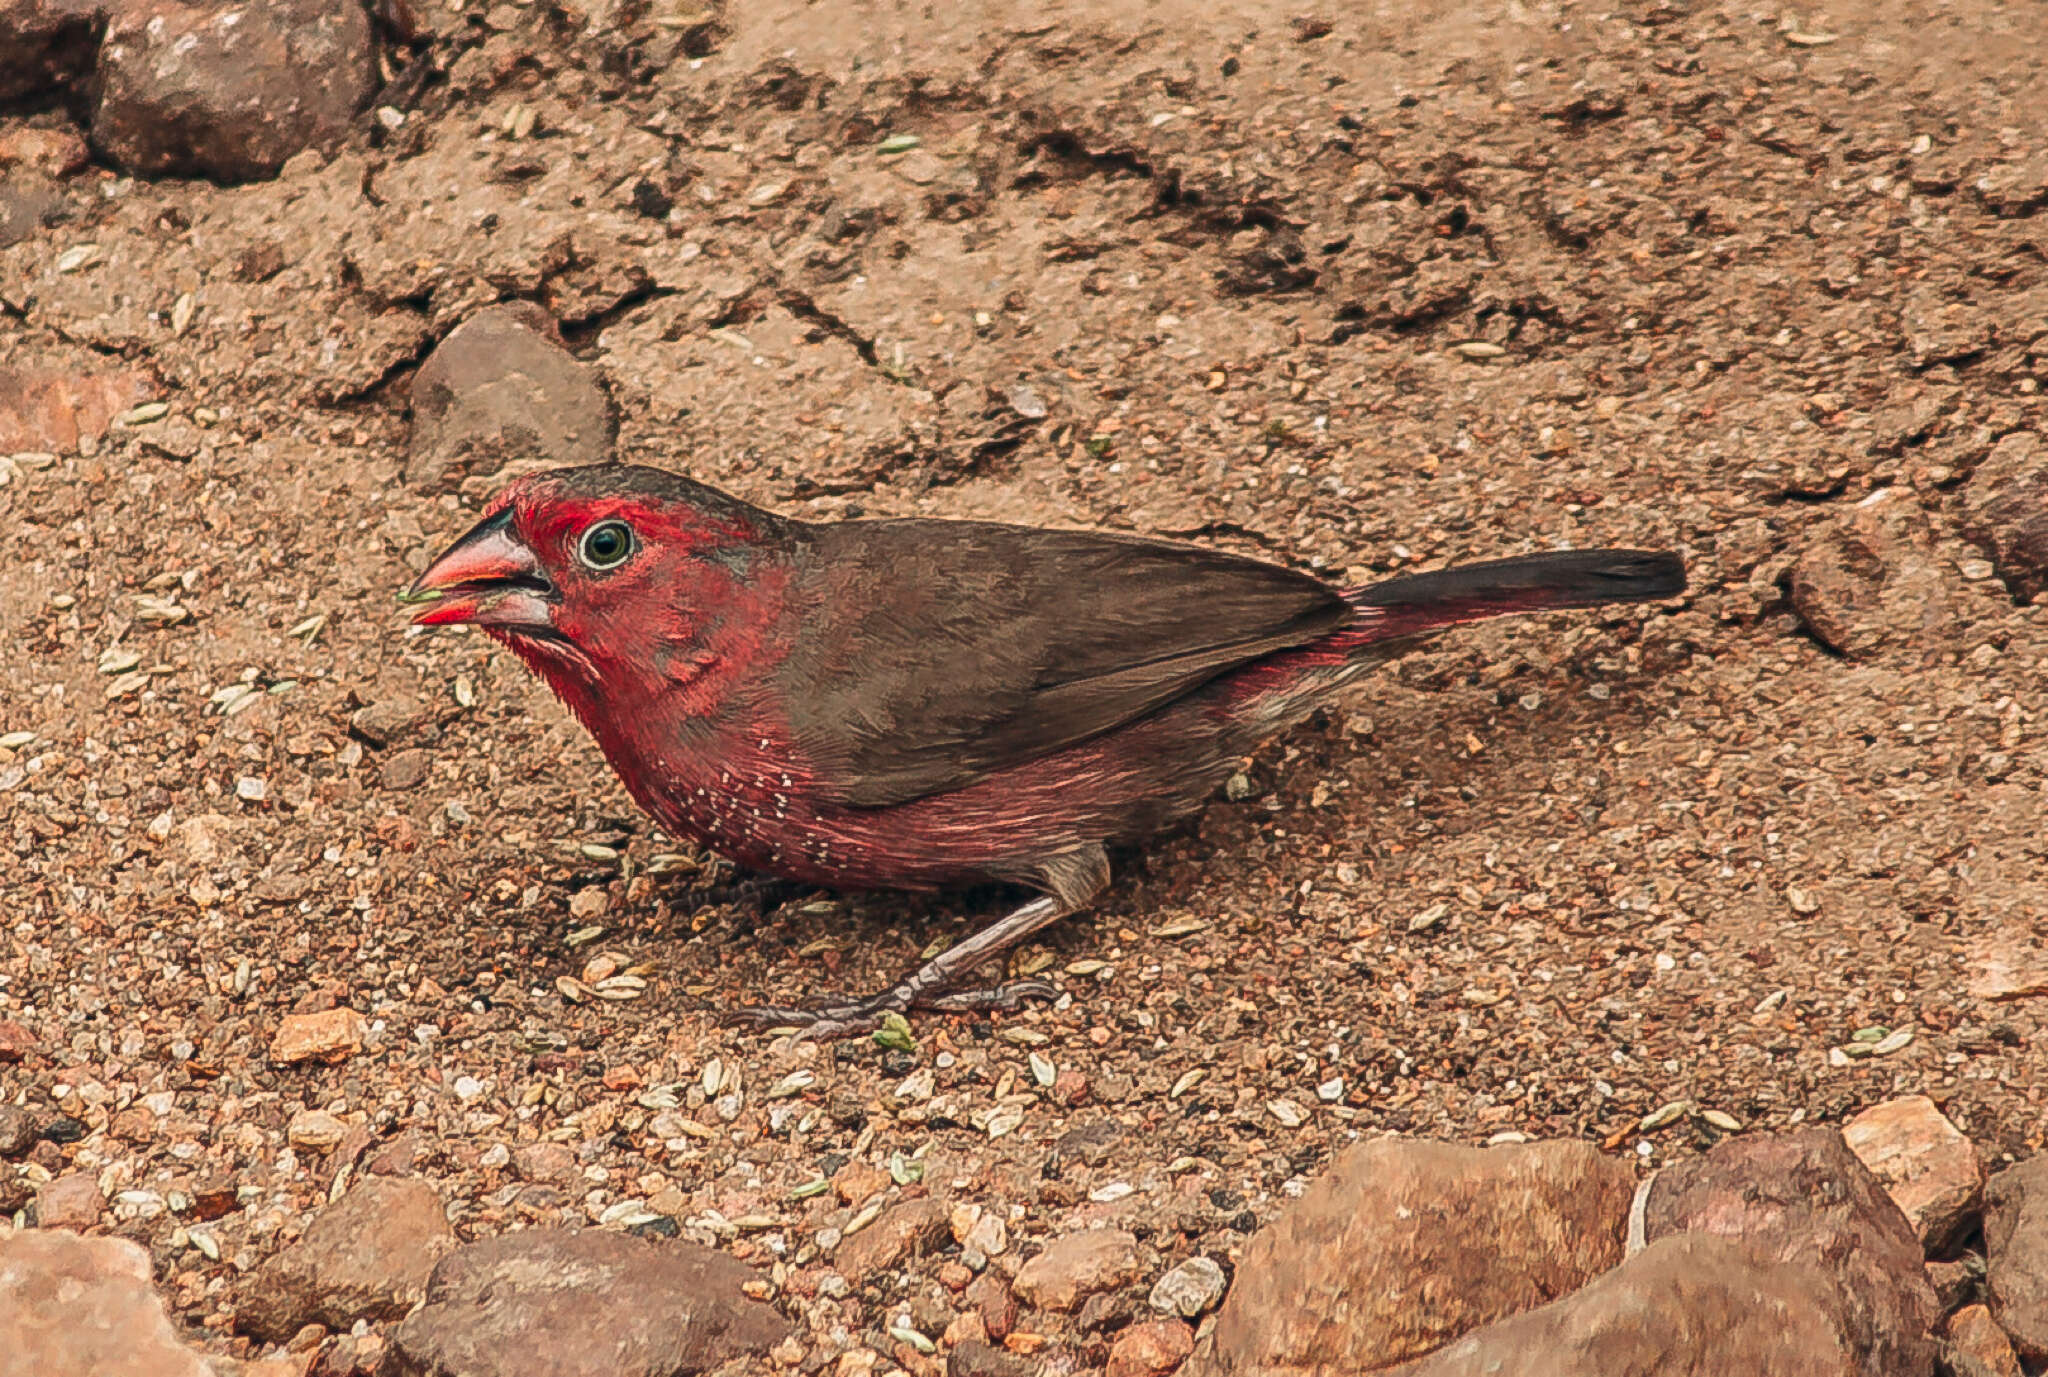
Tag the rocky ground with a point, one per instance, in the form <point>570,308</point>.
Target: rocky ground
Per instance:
<point>303,907</point>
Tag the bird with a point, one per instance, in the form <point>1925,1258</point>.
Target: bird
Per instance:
<point>922,704</point>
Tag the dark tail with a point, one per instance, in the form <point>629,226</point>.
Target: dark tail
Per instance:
<point>1524,583</point>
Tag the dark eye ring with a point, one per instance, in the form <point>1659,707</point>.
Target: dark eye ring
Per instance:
<point>606,545</point>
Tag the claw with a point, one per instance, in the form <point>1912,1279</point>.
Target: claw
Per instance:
<point>828,1022</point>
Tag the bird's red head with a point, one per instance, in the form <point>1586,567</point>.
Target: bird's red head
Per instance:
<point>595,574</point>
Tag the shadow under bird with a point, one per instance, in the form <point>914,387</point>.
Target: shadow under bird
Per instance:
<point>922,704</point>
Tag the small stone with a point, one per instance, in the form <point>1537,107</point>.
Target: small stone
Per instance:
<point>330,1036</point>
<point>857,1182</point>
<point>2006,966</point>
<point>84,1307</point>
<point>972,1359</point>
<point>364,1257</point>
<point>547,1164</point>
<point>17,1130</point>
<point>991,1298</point>
<point>2016,1254</point>
<point>390,720</point>
<point>1075,1266</point>
<point>1189,1289</point>
<point>1977,1335</point>
<point>1871,581</point>
<point>70,1202</point>
<point>899,1234</point>
<point>316,1130</point>
<point>501,390</point>
<point>229,91</point>
<point>405,770</point>
<point>592,1303</point>
<point>16,1042</point>
<point>2005,511</point>
<point>1151,1349</point>
<point>1929,1168</point>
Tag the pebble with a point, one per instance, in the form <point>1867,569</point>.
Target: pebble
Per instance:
<point>72,1201</point>
<point>330,1036</point>
<point>1075,1266</point>
<point>1927,1166</point>
<point>316,1130</point>
<point>1189,1289</point>
<point>1150,1349</point>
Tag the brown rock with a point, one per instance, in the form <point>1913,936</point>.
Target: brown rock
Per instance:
<point>1076,1266</point>
<point>1954,1283</point>
<point>1926,1164</point>
<point>84,1307</point>
<point>531,1305</point>
<point>1687,1306</point>
<point>899,1233</point>
<point>16,1041</point>
<point>53,152</point>
<point>2007,966</point>
<point>229,91</point>
<point>70,1202</point>
<point>1973,1332</point>
<point>1872,580</point>
<point>53,409</point>
<point>1151,1349</point>
<point>29,202</point>
<point>500,390</point>
<point>1332,1285</point>
<point>856,1182</point>
<point>365,1257</point>
<point>405,769</point>
<point>980,1360</point>
<point>2006,511</point>
<point>45,44</point>
<point>330,1036</point>
<point>991,1298</point>
<point>17,1130</point>
<point>549,1164</point>
<point>2016,1254</point>
<point>390,720</point>
<point>1805,1198</point>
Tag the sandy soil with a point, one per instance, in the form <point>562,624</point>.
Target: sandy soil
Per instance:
<point>1747,290</point>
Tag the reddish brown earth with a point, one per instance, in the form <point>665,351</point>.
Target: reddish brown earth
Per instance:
<point>1766,292</point>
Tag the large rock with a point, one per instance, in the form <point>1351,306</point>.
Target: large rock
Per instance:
<point>45,44</point>
<point>499,391</point>
<point>1403,1245</point>
<point>365,1257</point>
<point>1689,1306</point>
<point>549,1303</point>
<point>84,1307</point>
<point>229,91</point>
<point>2005,511</point>
<point>1930,1169</point>
<point>1805,1198</point>
<point>2016,1254</point>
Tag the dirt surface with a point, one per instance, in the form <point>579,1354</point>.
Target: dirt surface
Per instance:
<point>1763,288</point>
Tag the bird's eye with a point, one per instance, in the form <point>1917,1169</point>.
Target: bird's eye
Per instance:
<point>606,545</point>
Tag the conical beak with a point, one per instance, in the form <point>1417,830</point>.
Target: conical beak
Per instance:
<point>487,578</point>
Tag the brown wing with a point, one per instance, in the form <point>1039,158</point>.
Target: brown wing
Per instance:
<point>935,652</point>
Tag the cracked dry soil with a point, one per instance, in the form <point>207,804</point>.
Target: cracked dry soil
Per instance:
<point>1204,271</point>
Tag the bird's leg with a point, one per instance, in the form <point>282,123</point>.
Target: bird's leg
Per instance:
<point>927,987</point>
<point>1069,879</point>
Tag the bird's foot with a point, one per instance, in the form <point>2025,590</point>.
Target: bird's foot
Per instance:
<point>851,1018</point>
